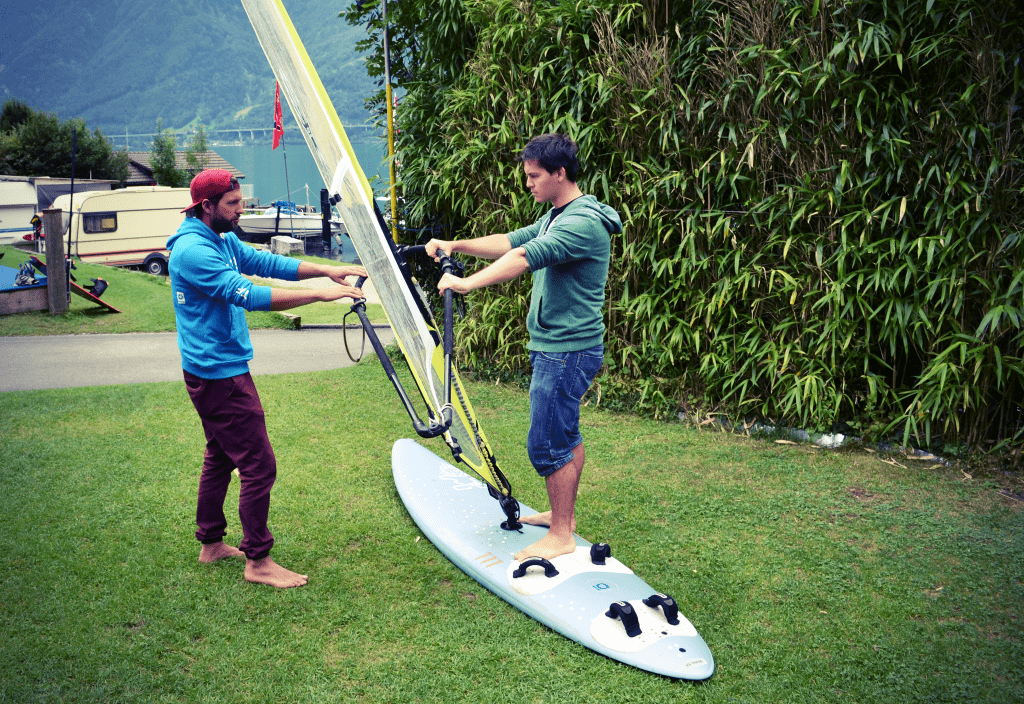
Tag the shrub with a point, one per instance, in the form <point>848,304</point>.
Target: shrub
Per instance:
<point>822,200</point>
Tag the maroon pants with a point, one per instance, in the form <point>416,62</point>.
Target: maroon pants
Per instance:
<point>236,436</point>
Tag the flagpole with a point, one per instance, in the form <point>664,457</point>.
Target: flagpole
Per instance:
<point>279,138</point>
<point>68,261</point>
<point>288,193</point>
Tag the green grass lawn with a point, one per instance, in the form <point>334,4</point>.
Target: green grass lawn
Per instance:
<point>814,576</point>
<point>145,305</point>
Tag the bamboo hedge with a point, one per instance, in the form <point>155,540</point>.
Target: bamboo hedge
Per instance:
<point>822,200</point>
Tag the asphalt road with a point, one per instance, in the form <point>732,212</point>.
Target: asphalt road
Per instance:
<point>64,361</point>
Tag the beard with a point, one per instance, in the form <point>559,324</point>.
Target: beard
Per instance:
<point>221,225</point>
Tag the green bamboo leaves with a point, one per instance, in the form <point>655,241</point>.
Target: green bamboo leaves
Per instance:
<point>822,200</point>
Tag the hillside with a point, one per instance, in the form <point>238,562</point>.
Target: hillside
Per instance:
<point>121,64</point>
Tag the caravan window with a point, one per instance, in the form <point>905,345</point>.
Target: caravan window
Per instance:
<point>100,222</point>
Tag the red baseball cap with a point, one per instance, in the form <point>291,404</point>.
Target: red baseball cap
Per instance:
<point>209,184</point>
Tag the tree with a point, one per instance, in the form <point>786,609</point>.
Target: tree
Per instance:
<point>822,201</point>
<point>34,143</point>
<point>164,160</point>
<point>8,148</point>
<point>195,155</point>
<point>15,113</point>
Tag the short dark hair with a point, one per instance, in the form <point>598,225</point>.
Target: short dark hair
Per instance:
<point>553,151</point>
<point>196,211</point>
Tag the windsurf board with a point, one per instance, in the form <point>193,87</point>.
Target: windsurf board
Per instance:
<point>587,596</point>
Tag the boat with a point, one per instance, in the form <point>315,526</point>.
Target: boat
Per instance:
<point>285,218</point>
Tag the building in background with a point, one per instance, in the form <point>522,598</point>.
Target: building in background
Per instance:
<point>140,173</point>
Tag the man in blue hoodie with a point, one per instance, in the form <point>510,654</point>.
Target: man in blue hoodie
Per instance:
<point>211,296</point>
<point>567,251</point>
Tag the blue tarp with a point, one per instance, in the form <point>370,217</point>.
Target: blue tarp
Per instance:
<point>8,275</point>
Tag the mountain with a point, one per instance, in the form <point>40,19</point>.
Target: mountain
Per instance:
<point>122,64</point>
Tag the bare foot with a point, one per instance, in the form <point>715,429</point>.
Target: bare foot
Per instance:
<point>266,571</point>
<point>212,552</point>
<point>548,547</point>
<point>538,519</point>
<point>543,520</point>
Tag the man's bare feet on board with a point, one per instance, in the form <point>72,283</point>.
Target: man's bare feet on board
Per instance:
<point>548,547</point>
<point>538,519</point>
<point>542,519</point>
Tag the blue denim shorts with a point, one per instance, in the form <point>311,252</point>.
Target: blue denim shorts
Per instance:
<point>556,388</point>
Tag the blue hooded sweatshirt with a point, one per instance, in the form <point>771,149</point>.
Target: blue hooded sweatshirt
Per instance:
<point>211,297</point>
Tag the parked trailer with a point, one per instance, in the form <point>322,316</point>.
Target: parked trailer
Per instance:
<point>126,227</point>
<point>21,197</point>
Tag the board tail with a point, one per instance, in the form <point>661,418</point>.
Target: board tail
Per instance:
<point>350,192</point>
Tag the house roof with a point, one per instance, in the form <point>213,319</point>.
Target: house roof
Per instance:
<point>140,173</point>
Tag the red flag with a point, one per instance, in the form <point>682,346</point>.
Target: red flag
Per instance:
<point>278,117</point>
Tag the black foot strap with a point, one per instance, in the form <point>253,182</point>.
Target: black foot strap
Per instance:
<point>599,552</point>
<point>624,612</point>
<point>549,569</point>
<point>667,604</point>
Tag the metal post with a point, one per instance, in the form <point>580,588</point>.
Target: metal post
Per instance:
<point>71,201</point>
<point>391,126</point>
<point>288,197</point>
<point>325,224</point>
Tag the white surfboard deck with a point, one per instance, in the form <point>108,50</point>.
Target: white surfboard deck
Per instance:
<point>456,513</point>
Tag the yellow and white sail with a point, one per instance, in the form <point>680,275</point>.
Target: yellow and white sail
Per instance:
<point>347,184</point>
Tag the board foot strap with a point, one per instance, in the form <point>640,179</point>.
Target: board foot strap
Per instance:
<point>624,612</point>
<point>668,606</point>
<point>549,569</point>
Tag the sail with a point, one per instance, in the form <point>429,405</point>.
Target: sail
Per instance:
<point>414,331</point>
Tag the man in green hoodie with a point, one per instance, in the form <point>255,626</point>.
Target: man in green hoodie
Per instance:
<point>567,252</point>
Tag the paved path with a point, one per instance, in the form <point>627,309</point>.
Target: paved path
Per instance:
<point>62,361</point>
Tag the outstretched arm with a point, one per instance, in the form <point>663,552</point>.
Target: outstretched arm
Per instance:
<point>489,247</point>
<point>285,299</point>
<point>309,270</point>
<point>511,265</point>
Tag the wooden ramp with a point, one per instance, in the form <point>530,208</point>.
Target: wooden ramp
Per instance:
<point>75,288</point>
<point>84,293</point>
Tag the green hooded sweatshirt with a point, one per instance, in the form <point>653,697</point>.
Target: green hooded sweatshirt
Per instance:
<point>569,260</point>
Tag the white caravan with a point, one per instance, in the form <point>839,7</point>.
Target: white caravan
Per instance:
<point>21,197</point>
<point>126,227</point>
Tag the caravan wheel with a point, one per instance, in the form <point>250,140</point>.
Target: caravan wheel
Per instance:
<point>155,266</point>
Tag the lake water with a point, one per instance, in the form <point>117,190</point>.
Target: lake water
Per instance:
<point>264,168</point>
